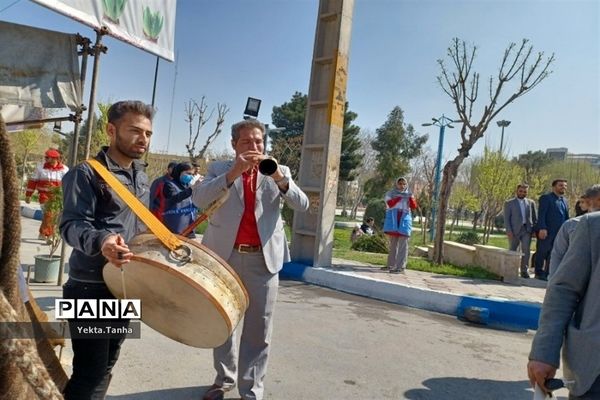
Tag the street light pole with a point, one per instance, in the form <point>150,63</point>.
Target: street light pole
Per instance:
<point>442,122</point>
<point>504,123</point>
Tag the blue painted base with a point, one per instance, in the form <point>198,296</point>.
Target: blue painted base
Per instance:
<point>514,314</point>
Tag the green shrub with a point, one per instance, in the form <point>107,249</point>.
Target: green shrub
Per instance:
<point>287,214</point>
<point>468,237</point>
<point>376,210</point>
<point>499,222</point>
<point>377,243</point>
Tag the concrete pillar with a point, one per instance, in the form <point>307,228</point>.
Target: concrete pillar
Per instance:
<point>312,240</point>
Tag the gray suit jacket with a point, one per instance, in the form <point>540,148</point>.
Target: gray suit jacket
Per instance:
<point>571,310</point>
<point>513,219</point>
<point>224,223</point>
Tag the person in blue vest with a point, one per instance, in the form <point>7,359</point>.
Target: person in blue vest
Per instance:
<point>157,200</point>
<point>553,212</point>
<point>398,224</point>
<point>179,211</point>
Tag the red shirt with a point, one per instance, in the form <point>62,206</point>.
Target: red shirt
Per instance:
<point>248,230</point>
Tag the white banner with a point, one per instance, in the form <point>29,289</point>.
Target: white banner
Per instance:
<point>38,67</point>
<point>14,113</point>
<point>147,24</point>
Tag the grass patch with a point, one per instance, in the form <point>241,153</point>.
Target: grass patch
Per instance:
<point>341,249</point>
<point>360,256</point>
<point>345,219</point>
<point>419,264</point>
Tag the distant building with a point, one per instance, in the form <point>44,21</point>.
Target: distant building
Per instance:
<point>593,159</point>
<point>558,153</point>
<point>562,154</point>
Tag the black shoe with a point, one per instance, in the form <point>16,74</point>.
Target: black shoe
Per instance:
<point>215,392</point>
<point>525,275</point>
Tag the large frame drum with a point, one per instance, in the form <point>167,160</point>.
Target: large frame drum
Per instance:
<point>196,300</point>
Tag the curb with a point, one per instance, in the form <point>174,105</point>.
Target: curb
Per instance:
<point>494,312</point>
<point>29,212</point>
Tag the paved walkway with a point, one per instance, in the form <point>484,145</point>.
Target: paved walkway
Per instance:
<point>529,290</point>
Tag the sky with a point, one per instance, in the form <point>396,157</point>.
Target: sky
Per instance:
<point>230,50</point>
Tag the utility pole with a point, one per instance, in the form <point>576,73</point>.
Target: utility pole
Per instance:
<point>504,123</point>
<point>312,237</point>
<point>442,122</point>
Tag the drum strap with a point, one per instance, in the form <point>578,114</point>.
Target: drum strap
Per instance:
<point>170,241</point>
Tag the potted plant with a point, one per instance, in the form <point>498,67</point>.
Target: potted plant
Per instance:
<point>47,265</point>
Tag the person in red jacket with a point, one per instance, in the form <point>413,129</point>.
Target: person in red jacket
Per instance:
<point>45,177</point>
<point>398,224</point>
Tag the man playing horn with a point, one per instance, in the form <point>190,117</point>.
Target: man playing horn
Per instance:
<point>247,231</point>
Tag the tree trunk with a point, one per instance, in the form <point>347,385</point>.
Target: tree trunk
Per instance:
<point>449,175</point>
<point>486,230</point>
<point>345,198</point>
<point>357,201</point>
<point>476,216</point>
<point>454,221</point>
<point>24,174</point>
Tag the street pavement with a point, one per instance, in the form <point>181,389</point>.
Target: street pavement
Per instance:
<point>490,303</point>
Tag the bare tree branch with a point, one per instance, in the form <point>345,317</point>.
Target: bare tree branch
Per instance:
<point>462,86</point>
<point>195,114</point>
<point>222,110</point>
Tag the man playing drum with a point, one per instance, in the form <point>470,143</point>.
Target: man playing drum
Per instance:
<point>98,224</point>
<point>247,231</point>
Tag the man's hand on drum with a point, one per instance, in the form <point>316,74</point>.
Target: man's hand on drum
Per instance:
<point>115,250</point>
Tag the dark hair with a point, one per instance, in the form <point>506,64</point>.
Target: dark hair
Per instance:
<point>592,192</point>
<point>522,185</point>
<point>370,219</point>
<point>120,108</point>
<point>247,123</point>
<point>578,210</point>
<point>179,169</point>
<point>556,181</point>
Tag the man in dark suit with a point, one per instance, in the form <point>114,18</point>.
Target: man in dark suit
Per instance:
<point>553,212</point>
<point>519,219</point>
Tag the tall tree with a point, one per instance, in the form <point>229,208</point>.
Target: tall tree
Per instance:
<point>286,144</point>
<point>290,115</point>
<point>367,170</point>
<point>24,143</point>
<point>462,86</point>
<point>421,179</point>
<point>396,143</point>
<point>99,136</point>
<point>532,163</point>
<point>351,157</point>
<point>197,117</point>
<point>496,180</point>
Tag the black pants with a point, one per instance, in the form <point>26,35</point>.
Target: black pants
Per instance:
<point>93,359</point>
<point>542,256</point>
